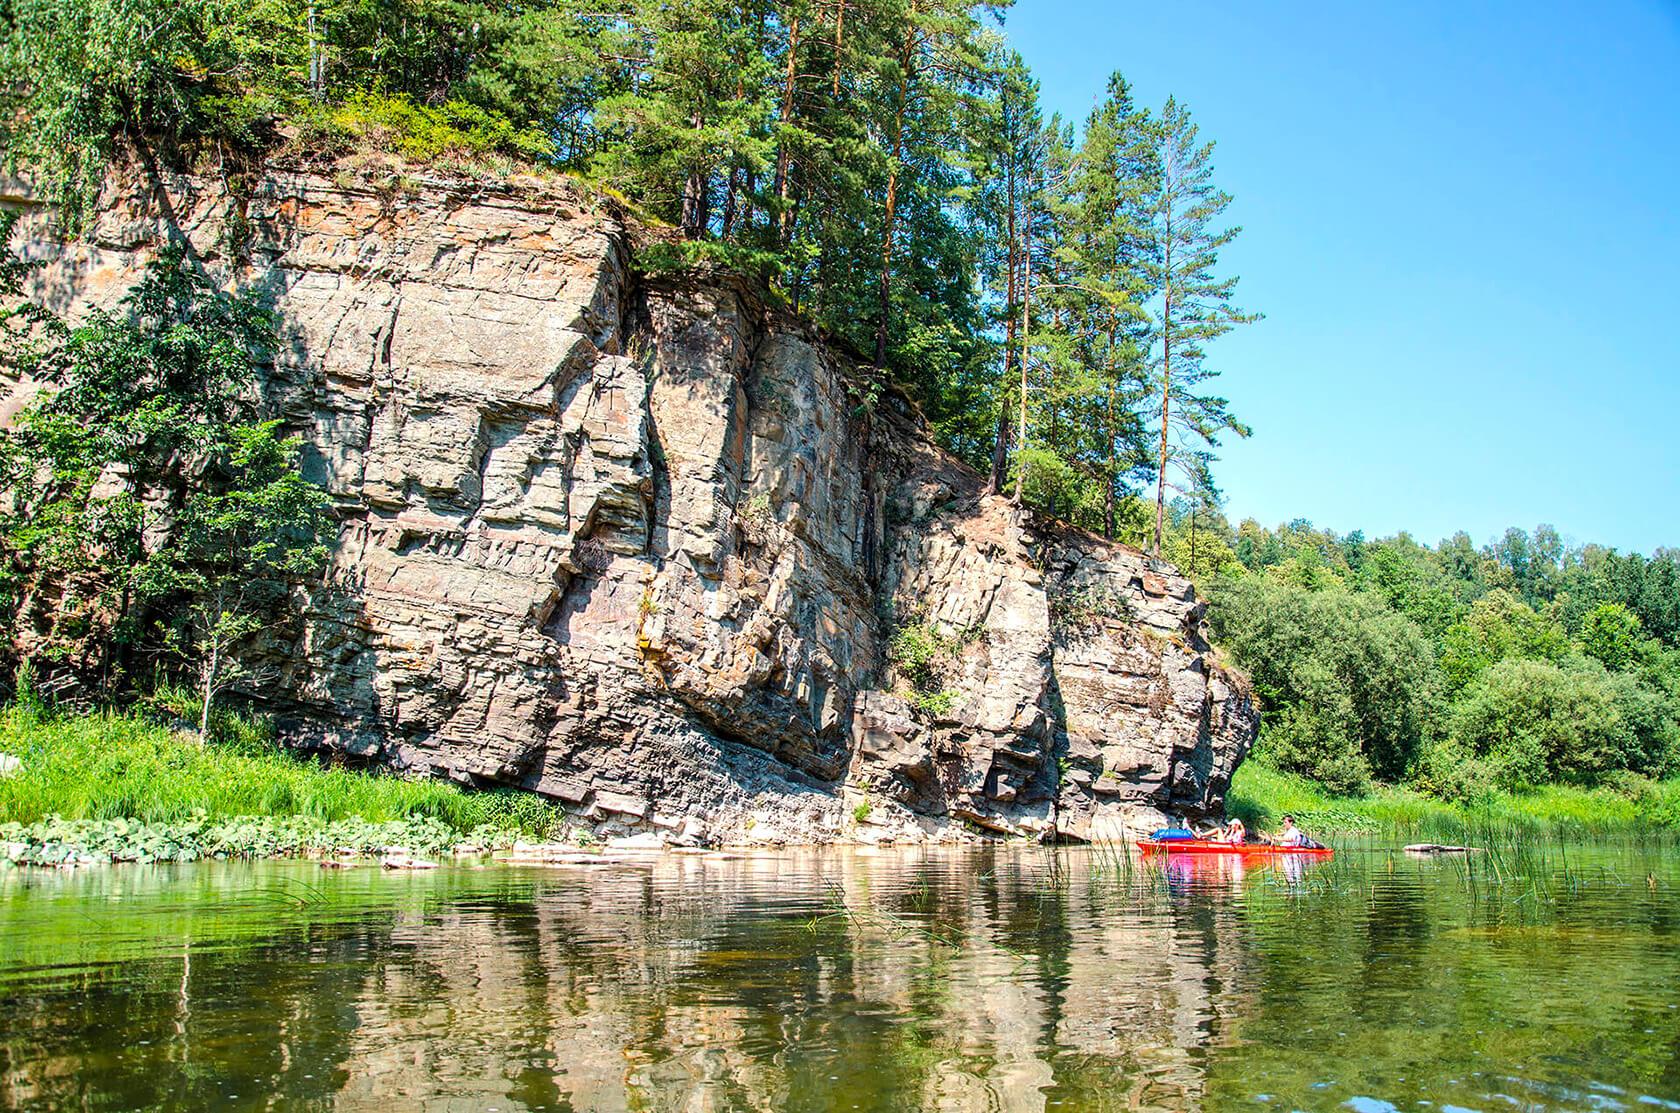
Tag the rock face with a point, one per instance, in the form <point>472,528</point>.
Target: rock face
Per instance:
<point>639,545</point>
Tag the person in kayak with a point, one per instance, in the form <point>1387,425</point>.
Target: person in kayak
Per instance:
<point>1235,833</point>
<point>1291,835</point>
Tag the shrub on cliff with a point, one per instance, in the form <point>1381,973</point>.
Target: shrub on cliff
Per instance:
<point>154,521</point>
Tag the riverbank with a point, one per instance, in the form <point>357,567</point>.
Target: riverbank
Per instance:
<point>111,786</point>
<point>1261,796</point>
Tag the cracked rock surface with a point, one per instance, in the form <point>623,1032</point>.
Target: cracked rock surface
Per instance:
<point>635,544</point>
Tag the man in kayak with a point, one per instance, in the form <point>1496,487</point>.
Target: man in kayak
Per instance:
<point>1291,835</point>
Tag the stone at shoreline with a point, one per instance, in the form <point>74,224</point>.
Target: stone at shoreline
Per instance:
<point>639,546</point>
<point>402,862</point>
<point>9,765</point>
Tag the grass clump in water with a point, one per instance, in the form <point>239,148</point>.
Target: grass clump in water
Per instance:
<point>150,791</point>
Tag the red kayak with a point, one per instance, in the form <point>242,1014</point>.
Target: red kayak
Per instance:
<point>1250,849</point>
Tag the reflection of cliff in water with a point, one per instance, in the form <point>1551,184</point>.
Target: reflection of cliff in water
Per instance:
<point>799,982</point>
<point>795,981</point>
<point>1021,980</point>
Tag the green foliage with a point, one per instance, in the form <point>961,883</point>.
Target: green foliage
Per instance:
<point>1610,634</point>
<point>1499,627</point>
<point>1534,722</point>
<point>150,505</point>
<point>424,134</point>
<point>1344,679</point>
<point>1309,741</point>
<point>935,704</point>
<point>166,78</point>
<point>1545,666</point>
<point>82,73</point>
<point>918,650</point>
<point>1448,771</point>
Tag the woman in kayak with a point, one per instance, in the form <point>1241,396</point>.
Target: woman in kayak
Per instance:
<point>1235,833</point>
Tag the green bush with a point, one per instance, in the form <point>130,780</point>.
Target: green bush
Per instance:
<point>1338,675</point>
<point>1610,634</point>
<point>917,650</point>
<point>1446,771</point>
<point>423,134</point>
<point>1535,722</point>
<point>1499,627</point>
<point>1301,740</point>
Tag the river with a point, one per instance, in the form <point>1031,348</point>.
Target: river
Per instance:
<point>1021,980</point>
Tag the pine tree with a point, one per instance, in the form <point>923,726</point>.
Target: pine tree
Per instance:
<point>1009,144</point>
<point>1106,252</point>
<point>695,107</point>
<point>931,60</point>
<point>1192,306</point>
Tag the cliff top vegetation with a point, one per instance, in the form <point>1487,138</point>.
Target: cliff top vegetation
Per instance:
<point>1045,289</point>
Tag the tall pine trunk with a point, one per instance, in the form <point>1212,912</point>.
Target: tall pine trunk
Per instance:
<point>839,44</point>
<point>1113,477</point>
<point>1026,339</point>
<point>1166,410</point>
<point>783,155</point>
<point>1000,446</point>
<point>694,202</point>
<point>696,190</point>
<point>892,199</point>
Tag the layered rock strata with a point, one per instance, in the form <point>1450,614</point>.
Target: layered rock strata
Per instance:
<point>642,546</point>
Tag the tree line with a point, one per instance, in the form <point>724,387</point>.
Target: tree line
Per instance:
<point>1455,668</point>
<point>1046,290</point>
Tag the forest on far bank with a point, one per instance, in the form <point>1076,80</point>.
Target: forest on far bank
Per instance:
<point>1458,670</point>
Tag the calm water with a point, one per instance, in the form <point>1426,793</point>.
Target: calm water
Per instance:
<point>1016,980</point>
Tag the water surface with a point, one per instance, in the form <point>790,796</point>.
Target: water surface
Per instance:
<point>1013,980</point>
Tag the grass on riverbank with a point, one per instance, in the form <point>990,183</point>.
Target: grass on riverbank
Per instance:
<point>107,768</point>
<point>1261,796</point>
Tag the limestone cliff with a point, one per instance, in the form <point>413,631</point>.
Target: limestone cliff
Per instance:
<point>641,546</point>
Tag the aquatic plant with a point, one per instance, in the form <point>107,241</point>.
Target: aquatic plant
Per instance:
<point>69,842</point>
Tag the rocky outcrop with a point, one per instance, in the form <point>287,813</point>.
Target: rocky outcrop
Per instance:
<point>641,545</point>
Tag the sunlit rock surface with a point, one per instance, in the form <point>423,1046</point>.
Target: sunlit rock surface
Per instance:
<point>641,545</point>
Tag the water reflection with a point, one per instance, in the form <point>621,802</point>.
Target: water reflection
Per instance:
<point>1188,872</point>
<point>1010,981</point>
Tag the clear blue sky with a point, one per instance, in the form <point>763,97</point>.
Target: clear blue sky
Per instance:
<point>1462,222</point>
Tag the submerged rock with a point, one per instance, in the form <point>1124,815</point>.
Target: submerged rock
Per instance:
<point>646,547</point>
